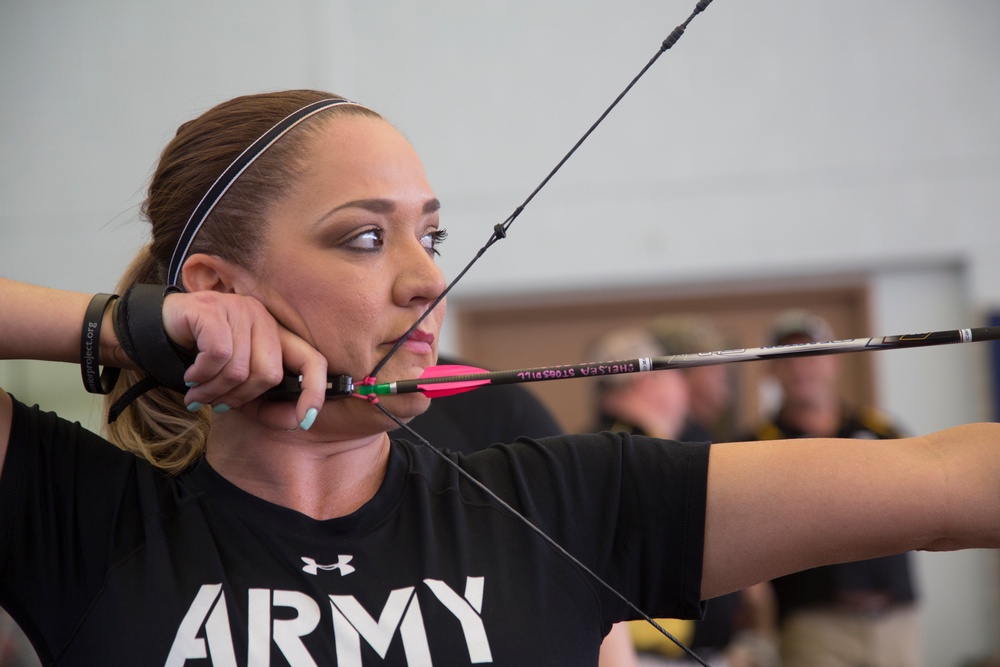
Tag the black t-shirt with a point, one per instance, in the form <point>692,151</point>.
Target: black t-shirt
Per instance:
<point>720,623</point>
<point>469,422</point>
<point>473,420</point>
<point>106,561</point>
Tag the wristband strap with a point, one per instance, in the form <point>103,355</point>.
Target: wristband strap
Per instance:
<point>94,380</point>
<point>139,325</point>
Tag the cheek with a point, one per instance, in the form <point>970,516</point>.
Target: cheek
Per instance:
<point>437,317</point>
<point>348,318</point>
<point>335,320</point>
<point>715,385</point>
<point>671,391</point>
<point>814,368</point>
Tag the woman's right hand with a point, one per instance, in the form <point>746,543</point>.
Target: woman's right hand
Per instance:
<point>241,352</point>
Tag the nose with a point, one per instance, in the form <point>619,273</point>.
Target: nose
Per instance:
<point>419,280</point>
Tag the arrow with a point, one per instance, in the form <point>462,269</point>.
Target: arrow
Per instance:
<point>443,380</point>
<point>447,380</point>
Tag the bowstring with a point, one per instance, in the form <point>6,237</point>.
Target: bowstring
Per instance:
<point>500,229</point>
<point>542,534</point>
<point>499,233</point>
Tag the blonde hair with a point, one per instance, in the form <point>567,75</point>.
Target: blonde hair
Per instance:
<point>158,426</point>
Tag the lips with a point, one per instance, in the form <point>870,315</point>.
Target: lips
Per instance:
<point>419,336</point>
<point>421,342</point>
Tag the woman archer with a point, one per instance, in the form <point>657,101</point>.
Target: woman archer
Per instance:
<point>229,529</point>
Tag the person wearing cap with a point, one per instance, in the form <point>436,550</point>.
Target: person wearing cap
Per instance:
<point>710,388</point>
<point>653,404</point>
<point>851,614</point>
<point>738,628</point>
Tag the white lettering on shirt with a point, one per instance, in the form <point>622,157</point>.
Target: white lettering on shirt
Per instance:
<point>210,603</point>
<point>207,620</point>
<point>467,611</point>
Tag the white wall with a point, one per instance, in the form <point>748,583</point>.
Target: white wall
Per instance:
<point>775,139</point>
<point>926,390</point>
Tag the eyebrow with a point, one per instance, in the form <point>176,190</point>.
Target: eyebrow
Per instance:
<point>380,206</point>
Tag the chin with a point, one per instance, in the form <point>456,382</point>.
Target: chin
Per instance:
<point>406,406</point>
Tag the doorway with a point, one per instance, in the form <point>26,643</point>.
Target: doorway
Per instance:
<point>548,329</point>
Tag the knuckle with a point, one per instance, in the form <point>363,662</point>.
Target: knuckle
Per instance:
<point>319,363</point>
<point>236,373</point>
<point>218,353</point>
<point>272,375</point>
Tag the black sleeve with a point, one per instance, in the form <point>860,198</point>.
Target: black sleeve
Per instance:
<point>631,508</point>
<point>61,496</point>
<point>471,421</point>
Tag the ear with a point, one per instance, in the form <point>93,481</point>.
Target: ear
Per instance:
<point>202,273</point>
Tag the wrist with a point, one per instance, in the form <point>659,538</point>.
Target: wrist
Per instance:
<point>111,349</point>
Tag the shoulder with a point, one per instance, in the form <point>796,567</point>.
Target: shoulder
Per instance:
<point>468,422</point>
<point>563,462</point>
<point>48,456</point>
<point>32,426</point>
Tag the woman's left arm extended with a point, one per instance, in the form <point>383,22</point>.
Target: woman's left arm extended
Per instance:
<point>782,506</point>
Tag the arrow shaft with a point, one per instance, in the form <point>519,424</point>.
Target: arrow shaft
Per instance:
<point>644,364</point>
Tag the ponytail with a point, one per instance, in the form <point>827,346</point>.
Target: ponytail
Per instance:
<point>157,426</point>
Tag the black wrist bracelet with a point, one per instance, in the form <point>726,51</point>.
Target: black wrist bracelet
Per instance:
<point>94,380</point>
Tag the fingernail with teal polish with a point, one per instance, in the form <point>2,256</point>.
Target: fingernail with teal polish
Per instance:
<point>308,420</point>
<point>194,406</point>
<point>191,384</point>
<point>221,407</point>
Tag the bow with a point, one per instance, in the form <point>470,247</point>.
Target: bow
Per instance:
<point>500,232</point>
<point>370,389</point>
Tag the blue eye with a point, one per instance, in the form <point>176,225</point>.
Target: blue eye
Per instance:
<point>431,240</point>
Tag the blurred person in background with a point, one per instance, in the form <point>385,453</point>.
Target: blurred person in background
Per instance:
<point>739,629</point>
<point>711,398</point>
<point>860,614</point>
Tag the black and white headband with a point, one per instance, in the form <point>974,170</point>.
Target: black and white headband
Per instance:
<point>229,176</point>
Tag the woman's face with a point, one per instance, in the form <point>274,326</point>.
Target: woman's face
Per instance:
<point>349,255</point>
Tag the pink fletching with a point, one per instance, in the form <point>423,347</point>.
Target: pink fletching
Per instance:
<point>445,370</point>
<point>450,388</point>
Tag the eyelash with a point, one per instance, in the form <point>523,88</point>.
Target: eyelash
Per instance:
<point>437,237</point>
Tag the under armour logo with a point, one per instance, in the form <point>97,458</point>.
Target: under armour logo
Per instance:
<point>312,567</point>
